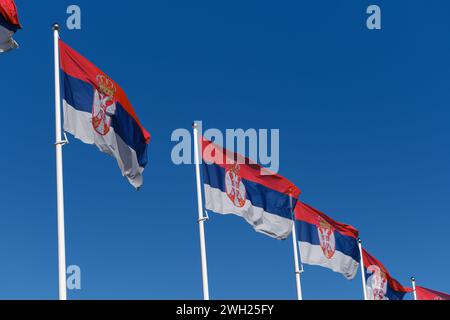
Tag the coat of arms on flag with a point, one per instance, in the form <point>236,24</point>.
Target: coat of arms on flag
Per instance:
<point>234,186</point>
<point>377,287</point>
<point>327,238</point>
<point>104,106</point>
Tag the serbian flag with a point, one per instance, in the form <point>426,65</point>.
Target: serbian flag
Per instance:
<point>379,283</point>
<point>325,242</point>
<point>97,111</point>
<point>428,294</point>
<point>235,185</point>
<point>9,24</point>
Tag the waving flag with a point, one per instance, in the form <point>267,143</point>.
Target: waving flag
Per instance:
<point>428,294</point>
<point>97,111</point>
<point>9,24</point>
<point>379,283</point>
<point>325,242</point>
<point>235,185</point>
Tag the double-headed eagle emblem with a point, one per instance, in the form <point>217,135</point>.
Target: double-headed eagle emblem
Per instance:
<point>104,106</point>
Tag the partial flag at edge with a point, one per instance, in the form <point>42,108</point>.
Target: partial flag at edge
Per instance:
<point>9,24</point>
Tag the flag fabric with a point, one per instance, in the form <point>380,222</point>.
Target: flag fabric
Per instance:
<point>379,283</point>
<point>9,24</point>
<point>325,242</point>
<point>235,185</point>
<point>97,111</point>
<point>428,294</point>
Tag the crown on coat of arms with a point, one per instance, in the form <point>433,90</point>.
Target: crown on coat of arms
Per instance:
<point>377,273</point>
<point>106,85</point>
<point>382,274</point>
<point>324,224</point>
<point>235,168</point>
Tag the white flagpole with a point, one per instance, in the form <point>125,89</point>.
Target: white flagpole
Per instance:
<point>59,173</point>
<point>296,257</point>
<point>201,217</point>
<point>361,263</point>
<point>413,280</point>
<point>297,265</point>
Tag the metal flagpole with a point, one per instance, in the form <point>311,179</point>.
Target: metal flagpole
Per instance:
<point>413,280</point>
<point>59,172</point>
<point>296,257</point>
<point>362,269</point>
<point>201,216</point>
<point>297,265</point>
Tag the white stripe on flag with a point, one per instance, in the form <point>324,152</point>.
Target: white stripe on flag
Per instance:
<point>79,124</point>
<point>340,263</point>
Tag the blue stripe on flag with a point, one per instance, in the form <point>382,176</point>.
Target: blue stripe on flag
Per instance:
<point>7,25</point>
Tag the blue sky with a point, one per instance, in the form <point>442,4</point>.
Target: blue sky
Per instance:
<point>363,117</point>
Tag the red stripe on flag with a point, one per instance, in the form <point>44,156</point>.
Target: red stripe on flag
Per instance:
<point>428,294</point>
<point>304,212</point>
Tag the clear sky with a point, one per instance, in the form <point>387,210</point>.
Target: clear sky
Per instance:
<point>364,120</point>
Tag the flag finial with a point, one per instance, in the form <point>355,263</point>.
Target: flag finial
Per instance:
<point>55,27</point>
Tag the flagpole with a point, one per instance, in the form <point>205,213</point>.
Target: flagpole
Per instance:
<point>363,277</point>
<point>413,280</point>
<point>298,272</point>
<point>59,172</point>
<point>201,216</point>
<point>297,265</point>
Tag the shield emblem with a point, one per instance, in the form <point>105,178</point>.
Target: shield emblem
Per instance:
<point>235,188</point>
<point>104,105</point>
<point>377,284</point>
<point>326,238</point>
